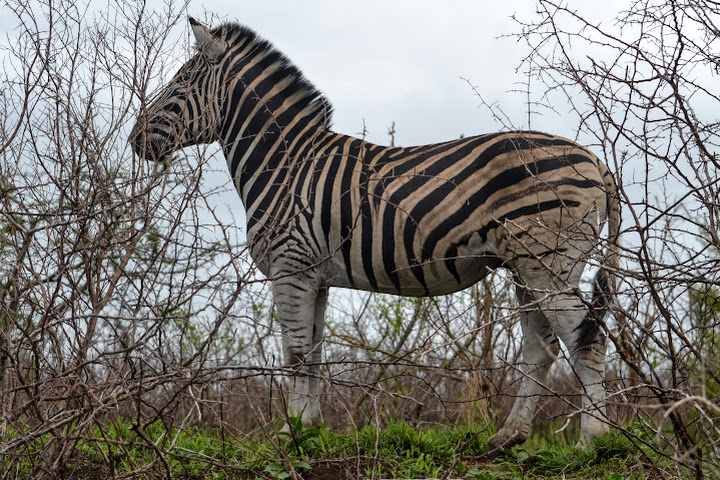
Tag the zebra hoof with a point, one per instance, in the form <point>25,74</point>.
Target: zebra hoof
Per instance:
<point>493,451</point>
<point>500,443</point>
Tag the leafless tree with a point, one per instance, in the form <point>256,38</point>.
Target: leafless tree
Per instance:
<point>112,295</point>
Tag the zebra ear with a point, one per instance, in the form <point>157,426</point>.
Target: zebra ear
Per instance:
<point>208,44</point>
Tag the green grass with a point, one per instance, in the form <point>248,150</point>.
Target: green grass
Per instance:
<point>399,450</point>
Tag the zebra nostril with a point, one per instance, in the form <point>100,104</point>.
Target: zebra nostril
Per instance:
<point>149,146</point>
<point>152,141</point>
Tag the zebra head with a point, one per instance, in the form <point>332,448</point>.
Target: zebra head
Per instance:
<point>185,111</point>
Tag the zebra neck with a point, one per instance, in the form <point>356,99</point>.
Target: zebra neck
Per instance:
<point>259,138</point>
<point>269,112</point>
<point>263,166</point>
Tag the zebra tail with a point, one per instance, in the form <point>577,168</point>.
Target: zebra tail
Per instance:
<point>605,281</point>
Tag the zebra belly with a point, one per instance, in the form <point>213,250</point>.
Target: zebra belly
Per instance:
<point>433,277</point>
<point>440,281</point>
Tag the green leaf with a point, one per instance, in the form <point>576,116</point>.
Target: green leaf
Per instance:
<point>614,476</point>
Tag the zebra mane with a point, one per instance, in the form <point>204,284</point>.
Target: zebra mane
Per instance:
<point>236,35</point>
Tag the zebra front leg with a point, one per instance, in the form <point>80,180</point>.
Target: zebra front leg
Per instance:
<point>539,350</point>
<point>301,311</point>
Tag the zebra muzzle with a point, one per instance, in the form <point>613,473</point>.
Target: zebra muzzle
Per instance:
<point>152,143</point>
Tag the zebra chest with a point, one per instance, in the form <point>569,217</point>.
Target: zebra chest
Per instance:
<point>284,241</point>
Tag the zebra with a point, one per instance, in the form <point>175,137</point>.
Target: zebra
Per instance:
<point>326,209</point>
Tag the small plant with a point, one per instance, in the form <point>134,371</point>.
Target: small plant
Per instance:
<point>301,439</point>
<point>278,471</point>
<point>297,444</point>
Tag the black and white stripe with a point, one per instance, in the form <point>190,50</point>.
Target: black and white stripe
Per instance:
<point>326,209</point>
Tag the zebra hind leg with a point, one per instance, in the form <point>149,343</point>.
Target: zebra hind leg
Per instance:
<point>587,345</point>
<point>539,350</point>
<point>301,311</point>
<point>581,331</point>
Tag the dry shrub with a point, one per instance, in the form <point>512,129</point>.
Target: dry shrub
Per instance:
<point>126,293</point>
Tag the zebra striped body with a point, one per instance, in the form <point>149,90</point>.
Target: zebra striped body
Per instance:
<point>326,209</point>
<point>417,221</point>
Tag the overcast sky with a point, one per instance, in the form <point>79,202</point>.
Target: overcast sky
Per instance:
<point>412,62</point>
<point>399,61</point>
<point>406,61</point>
